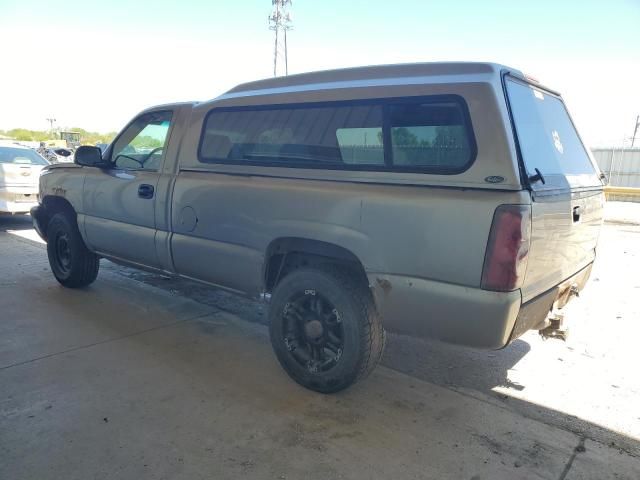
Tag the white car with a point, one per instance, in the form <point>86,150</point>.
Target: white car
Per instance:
<point>63,155</point>
<point>19,172</point>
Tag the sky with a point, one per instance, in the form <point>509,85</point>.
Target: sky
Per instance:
<point>95,64</point>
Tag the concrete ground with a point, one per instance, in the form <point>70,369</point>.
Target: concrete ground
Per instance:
<point>138,376</point>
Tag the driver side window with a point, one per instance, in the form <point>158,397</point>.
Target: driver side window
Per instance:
<point>141,145</point>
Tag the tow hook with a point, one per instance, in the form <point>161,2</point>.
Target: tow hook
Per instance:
<point>555,321</point>
<point>556,328</point>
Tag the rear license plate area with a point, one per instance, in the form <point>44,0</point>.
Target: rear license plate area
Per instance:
<point>25,197</point>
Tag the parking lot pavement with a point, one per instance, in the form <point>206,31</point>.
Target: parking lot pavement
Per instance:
<point>622,213</point>
<point>132,379</point>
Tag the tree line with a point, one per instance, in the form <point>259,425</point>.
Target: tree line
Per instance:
<point>86,137</point>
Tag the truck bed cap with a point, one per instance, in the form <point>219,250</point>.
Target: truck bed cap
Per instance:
<point>402,70</point>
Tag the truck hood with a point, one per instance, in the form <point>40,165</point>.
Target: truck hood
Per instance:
<point>55,166</point>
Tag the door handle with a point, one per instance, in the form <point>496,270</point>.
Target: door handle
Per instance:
<point>576,214</point>
<point>145,191</point>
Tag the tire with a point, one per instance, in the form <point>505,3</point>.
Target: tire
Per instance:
<point>72,264</point>
<point>324,328</point>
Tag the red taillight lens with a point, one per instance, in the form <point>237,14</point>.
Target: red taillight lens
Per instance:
<point>505,261</point>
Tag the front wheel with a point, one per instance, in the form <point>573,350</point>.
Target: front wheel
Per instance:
<point>324,328</point>
<point>71,262</point>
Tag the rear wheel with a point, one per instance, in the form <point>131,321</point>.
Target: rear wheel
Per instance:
<point>324,328</point>
<point>71,262</point>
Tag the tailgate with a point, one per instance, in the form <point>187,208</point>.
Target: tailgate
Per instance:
<point>14,174</point>
<point>564,234</point>
<point>566,191</point>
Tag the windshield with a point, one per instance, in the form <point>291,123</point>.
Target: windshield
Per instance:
<point>548,140</point>
<point>21,156</point>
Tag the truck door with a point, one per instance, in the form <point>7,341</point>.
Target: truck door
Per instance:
<point>120,202</point>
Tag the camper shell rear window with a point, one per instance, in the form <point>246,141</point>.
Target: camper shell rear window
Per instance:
<point>547,138</point>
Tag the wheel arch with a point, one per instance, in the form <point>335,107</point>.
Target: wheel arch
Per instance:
<point>286,254</point>
<point>51,205</point>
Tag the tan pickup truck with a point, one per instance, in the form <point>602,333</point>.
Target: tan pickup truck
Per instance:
<point>449,200</point>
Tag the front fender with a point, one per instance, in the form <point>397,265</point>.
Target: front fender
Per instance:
<point>64,180</point>
<point>60,189</point>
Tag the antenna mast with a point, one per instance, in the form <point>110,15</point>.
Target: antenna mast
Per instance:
<point>280,22</point>
<point>51,121</point>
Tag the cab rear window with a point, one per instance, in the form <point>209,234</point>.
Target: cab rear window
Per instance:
<point>547,137</point>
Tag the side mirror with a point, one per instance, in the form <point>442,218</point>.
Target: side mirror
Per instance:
<point>89,156</point>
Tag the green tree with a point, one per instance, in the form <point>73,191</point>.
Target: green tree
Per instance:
<point>91,138</point>
<point>86,137</point>
<point>25,135</point>
<point>450,136</point>
<point>402,137</point>
<point>146,142</point>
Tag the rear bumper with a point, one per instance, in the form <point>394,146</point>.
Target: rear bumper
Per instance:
<point>533,314</point>
<point>462,315</point>
<point>16,207</point>
<point>9,194</point>
<point>452,313</point>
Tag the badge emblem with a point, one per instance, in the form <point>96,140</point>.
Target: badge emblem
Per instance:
<point>494,179</point>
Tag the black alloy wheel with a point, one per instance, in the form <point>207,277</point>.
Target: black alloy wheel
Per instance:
<point>324,327</point>
<point>312,331</point>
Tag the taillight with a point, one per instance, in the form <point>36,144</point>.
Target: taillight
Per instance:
<point>505,260</point>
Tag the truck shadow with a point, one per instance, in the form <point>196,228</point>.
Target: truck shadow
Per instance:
<point>15,222</point>
<point>477,373</point>
<point>427,360</point>
<point>451,365</point>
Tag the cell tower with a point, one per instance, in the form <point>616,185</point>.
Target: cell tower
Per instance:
<point>280,23</point>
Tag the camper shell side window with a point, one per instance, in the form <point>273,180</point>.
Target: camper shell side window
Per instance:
<point>414,134</point>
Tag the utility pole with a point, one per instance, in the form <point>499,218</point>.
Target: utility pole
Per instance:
<point>280,23</point>
<point>635,131</point>
<point>51,122</point>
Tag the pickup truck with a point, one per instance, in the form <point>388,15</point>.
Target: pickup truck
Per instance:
<point>446,200</point>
